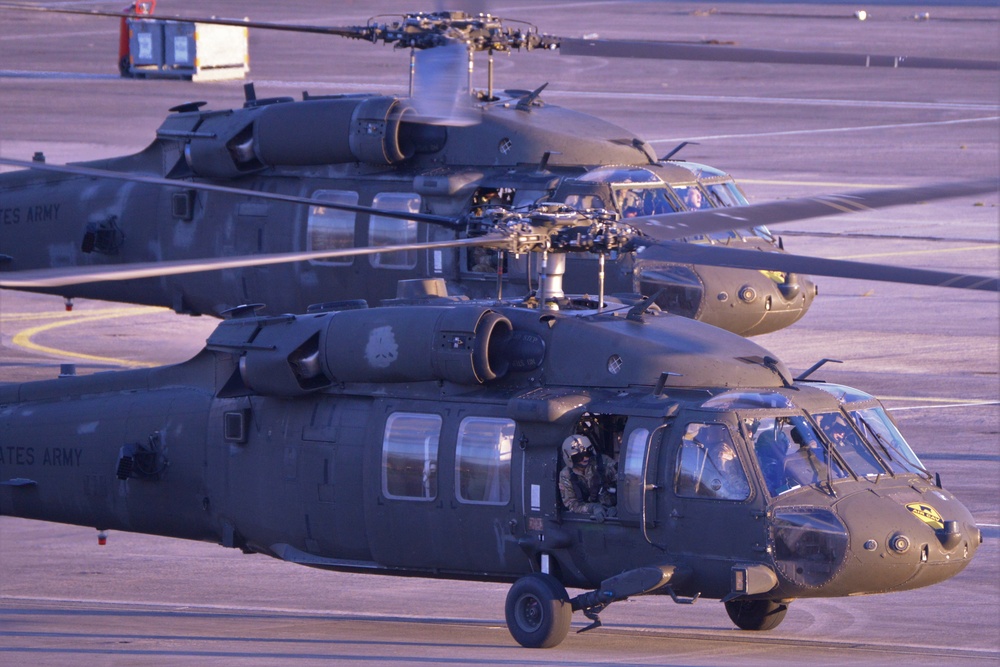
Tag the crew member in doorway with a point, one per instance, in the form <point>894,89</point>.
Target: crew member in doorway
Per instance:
<point>587,481</point>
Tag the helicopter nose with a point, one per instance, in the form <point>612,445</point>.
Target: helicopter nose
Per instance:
<point>868,543</point>
<point>904,539</point>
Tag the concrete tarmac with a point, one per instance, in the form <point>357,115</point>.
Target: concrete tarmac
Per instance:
<point>782,131</point>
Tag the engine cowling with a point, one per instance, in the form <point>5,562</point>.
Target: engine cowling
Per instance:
<point>310,132</point>
<point>293,356</point>
<point>461,345</point>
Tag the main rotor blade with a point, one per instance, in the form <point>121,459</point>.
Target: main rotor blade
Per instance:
<point>357,32</point>
<point>713,255</point>
<point>605,48</point>
<point>78,170</point>
<point>673,226</point>
<point>610,48</point>
<point>78,275</point>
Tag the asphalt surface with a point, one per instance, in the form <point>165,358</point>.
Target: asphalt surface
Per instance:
<point>782,131</point>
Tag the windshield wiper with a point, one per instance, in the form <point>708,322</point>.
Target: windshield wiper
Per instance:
<point>886,446</point>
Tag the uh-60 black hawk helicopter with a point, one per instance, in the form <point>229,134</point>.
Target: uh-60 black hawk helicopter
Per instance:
<point>435,438</point>
<point>438,152</point>
<point>429,437</point>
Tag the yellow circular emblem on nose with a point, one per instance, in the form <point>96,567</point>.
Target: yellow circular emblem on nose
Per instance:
<point>927,514</point>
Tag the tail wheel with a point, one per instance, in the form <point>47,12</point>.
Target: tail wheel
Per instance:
<point>538,611</point>
<point>756,614</point>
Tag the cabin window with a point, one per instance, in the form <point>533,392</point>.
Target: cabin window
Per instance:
<point>485,198</point>
<point>707,465</point>
<point>482,461</point>
<point>330,228</point>
<point>384,231</point>
<point>410,456</point>
<point>486,261</point>
<point>235,426</point>
<point>635,459</point>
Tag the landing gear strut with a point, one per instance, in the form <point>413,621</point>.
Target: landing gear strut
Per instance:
<point>539,610</point>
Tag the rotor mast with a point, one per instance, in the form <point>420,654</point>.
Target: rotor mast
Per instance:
<point>478,32</point>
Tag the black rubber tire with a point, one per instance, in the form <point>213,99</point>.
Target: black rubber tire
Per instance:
<point>756,614</point>
<point>538,611</point>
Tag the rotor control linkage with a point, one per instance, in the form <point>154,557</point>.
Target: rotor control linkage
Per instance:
<point>554,227</point>
<point>620,587</point>
<point>481,32</point>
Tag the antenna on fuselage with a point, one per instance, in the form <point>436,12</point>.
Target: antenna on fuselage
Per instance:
<point>815,367</point>
<point>677,150</point>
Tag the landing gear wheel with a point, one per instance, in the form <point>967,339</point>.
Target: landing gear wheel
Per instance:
<point>756,614</point>
<point>538,611</point>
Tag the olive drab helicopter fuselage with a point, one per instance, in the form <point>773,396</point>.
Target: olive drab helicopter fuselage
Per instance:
<point>209,186</point>
<point>372,151</point>
<point>424,437</point>
<point>424,440</point>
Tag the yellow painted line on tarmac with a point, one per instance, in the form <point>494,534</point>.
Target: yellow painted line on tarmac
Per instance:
<point>935,251</point>
<point>23,338</point>
<point>66,314</point>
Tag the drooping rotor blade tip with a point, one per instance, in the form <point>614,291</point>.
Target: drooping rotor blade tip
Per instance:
<point>715,255</point>
<point>675,226</point>
<point>78,275</point>
<point>356,32</point>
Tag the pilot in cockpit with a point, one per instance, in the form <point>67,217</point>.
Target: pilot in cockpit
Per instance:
<point>694,199</point>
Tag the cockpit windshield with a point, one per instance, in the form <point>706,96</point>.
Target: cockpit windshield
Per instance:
<point>634,201</point>
<point>791,453</point>
<point>722,192</point>
<point>848,444</point>
<point>637,191</point>
<point>619,175</point>
<point>876,427</point>
<point>693,197</point>
<point>820,444</point>
<point>725,194</point>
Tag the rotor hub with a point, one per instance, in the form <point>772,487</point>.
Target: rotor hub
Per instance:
<point>553,227</point>
<point>480,32</point>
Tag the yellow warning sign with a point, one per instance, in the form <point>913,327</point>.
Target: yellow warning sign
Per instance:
<point>927,514</point>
